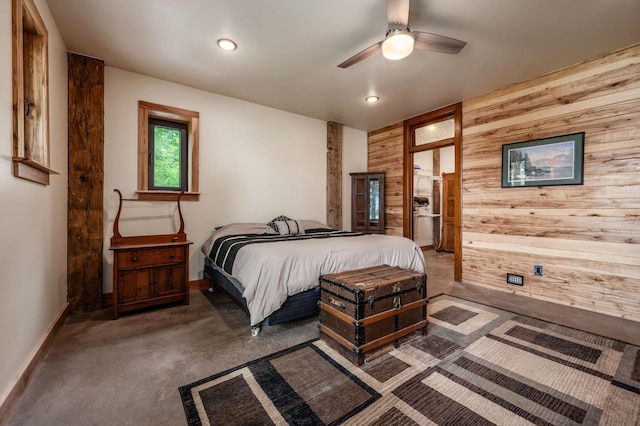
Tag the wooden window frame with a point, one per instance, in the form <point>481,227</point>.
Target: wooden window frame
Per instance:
<point>30,55</point>
<point>148,110</point>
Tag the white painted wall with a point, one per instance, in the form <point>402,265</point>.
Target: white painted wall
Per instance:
<point>33,245</point>
<point>255,163</point>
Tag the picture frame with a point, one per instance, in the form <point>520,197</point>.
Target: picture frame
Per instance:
<point>557,160</point>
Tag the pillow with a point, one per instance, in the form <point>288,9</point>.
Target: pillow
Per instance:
<point>235,229</point>
<point>313,224</point>
<point>239,228</point>
<point>273,221</point>
<point>289,227</point>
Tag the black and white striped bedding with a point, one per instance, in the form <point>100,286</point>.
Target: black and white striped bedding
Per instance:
<point>224,249</point>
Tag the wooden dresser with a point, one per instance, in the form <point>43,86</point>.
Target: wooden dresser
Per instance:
<point>149,270</point>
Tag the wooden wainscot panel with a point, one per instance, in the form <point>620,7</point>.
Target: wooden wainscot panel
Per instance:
<point>598,287</point>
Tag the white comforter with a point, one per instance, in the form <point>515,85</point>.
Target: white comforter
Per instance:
<point>270,272</point>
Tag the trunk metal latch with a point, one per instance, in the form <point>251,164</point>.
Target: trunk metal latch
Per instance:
<point>397,303</point>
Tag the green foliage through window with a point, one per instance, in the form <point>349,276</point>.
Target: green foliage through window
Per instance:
<point>167,155</point>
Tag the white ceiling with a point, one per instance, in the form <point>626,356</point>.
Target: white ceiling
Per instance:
<point>288,50</point>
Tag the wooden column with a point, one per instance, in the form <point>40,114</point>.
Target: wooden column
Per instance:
<point>334,174</point>
<point>86,183</point>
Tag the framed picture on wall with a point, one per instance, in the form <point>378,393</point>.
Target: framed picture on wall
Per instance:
<point>558,160</point>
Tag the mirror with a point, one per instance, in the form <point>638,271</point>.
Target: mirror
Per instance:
<point>374,201</point>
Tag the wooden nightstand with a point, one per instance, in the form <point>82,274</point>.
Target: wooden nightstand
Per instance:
<point>149,270</point>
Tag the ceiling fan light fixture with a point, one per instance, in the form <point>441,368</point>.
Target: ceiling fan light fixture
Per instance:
<point>397,45</point>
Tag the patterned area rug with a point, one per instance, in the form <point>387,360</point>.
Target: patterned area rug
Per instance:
<point>477,366</point>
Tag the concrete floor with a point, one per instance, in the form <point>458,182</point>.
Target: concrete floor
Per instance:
<point>127,372</point>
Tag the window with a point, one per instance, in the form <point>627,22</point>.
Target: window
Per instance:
<point>167,152</point>
<point>168,159</point>
<point>30,94</point>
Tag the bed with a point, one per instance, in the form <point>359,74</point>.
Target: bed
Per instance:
<point>272,270</point>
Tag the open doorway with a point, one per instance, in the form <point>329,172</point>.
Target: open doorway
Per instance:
<point>432,170</point>
<point>432,207</point>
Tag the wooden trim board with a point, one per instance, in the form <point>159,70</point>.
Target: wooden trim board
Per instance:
<point>9,401</point>
<point>201,284</point>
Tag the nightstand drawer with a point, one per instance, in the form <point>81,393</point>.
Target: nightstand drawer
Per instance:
<point>150,257</point>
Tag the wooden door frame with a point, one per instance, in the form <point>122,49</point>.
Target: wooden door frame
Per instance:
<point>453,111</point>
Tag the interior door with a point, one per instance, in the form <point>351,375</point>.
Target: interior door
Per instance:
<point>448,211</point>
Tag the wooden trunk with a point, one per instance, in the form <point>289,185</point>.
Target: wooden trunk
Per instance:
<point>368,311</point>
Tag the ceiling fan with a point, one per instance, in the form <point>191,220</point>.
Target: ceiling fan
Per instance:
<point>400,41</point>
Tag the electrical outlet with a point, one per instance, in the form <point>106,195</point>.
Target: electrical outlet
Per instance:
<point>515,279</point>
<point>537,270</point>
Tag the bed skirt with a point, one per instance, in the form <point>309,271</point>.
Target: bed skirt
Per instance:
<point>301,305</point>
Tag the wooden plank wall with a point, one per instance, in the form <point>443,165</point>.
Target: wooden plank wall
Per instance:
<point>385,154</point>
<point>586,237</point>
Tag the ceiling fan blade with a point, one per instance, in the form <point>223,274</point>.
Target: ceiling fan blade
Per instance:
<point>398,12</point>
<point>437,43</point>
<point>369,51</point>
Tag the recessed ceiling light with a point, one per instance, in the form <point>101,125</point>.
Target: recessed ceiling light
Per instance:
<point>226,44</point>
<point>372,99</point>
